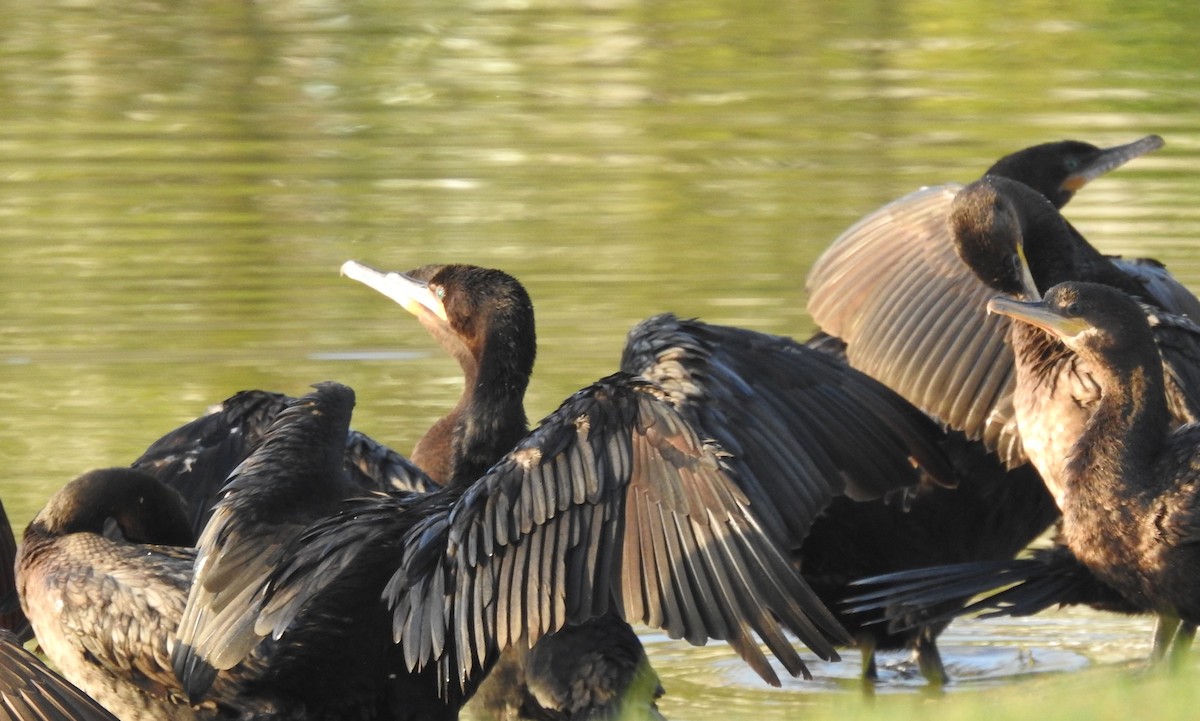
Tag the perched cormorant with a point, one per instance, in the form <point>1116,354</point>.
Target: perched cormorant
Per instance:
<point>30,691</point>
<point>647,362</point>
<point>1130,505</point>
<point>672,497</point>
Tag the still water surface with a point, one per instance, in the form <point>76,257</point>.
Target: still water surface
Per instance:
<point>179,183</point>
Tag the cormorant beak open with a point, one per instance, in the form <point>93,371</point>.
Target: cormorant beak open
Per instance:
<point>1039,314</point>
<point>414,296</point>
<point>1110,159</point>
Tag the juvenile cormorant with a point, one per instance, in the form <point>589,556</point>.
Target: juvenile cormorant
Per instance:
<point>103,572</point>
<point>1130,504</point>
<point>1017,243</point>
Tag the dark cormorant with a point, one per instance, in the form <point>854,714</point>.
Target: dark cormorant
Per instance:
<point>1131,511</point>
<point>911,313</point>
<point>30,691</point>
<point>892,296</point>
<point>603,507</point>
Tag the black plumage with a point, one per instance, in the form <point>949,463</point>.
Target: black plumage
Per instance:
<point>616,502</point>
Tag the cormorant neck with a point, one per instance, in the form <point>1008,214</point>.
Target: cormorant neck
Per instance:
<point>1056,252</point>
<point>489,418</point>
<point>1126,434</point>
<point>492,422</point>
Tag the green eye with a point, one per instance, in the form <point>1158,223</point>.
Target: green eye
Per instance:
<point>440,292</point>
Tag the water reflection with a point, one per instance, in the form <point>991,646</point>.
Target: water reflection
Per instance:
<point>181,181</point>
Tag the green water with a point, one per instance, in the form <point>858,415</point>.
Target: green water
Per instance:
<point>179,183</point>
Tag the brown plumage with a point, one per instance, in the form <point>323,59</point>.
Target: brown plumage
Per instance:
<point>1131,506</point>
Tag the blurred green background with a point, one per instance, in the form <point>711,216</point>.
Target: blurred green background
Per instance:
<point>179,182</point>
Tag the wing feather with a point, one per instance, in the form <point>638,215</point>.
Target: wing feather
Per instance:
<point>659,527</point>
<point>893,288</point>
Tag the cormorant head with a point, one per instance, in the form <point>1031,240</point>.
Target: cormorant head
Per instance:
<point>466,308</point>
<point>121,502</point>
<point>1093,320</point>
<point>1057,170</point>
<point>988,235</point>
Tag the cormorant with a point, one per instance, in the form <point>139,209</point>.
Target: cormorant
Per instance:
<point>599,509</point>
<point>1130,504</point>
<point>103,572</point>
<point>892,297</point>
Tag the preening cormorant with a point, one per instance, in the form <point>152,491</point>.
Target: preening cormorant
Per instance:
<point>103,572</point>
<point>912,314</point>
<point>902,306</point>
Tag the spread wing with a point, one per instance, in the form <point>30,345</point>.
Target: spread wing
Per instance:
<point>913,316</point>
<point>30,691</point>
<point>196,458</point>
<point>800,426</point>
<point>613,502</point>
<point>373,465</point>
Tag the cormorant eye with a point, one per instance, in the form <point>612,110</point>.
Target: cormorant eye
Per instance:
<point>440,292</point>
<point>1073,308</point>
<point>1071,163</point>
